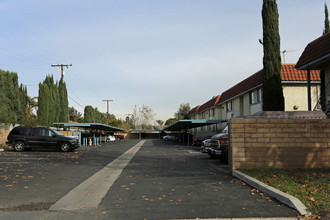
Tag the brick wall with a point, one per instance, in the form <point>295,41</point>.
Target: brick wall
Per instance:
<point>279,143</point>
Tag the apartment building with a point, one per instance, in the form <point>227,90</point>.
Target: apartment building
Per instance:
<point>245,98</point>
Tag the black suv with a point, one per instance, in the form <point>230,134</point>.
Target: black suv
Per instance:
<point>32,137</point>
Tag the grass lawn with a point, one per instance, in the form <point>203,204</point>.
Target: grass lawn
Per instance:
<point>310,186</point>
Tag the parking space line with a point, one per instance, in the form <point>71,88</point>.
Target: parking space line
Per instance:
<point>90,193</point>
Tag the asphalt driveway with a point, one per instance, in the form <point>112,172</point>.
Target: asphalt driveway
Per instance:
<point>166,181</point>
<point>162,181</point>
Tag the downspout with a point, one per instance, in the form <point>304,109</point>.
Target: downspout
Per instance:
<point>309,90</point>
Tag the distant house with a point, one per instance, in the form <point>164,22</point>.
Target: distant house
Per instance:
<point>316,56</point>
<point>245,98</point>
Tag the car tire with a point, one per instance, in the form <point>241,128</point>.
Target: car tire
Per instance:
<point>65,147</point>
<point>19,146</point>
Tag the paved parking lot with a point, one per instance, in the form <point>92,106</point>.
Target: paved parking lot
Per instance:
<point>162,181</point>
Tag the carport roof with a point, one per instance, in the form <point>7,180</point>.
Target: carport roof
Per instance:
<point>188,124</point>
<point>97,126</point>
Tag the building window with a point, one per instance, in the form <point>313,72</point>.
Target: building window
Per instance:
<point>255,96</point>
<point>252,97</point>
<point>229,106</point>
<point>212,112</point>
<point>259,95</point>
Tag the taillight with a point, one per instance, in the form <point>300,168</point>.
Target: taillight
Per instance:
<point>222,142</point>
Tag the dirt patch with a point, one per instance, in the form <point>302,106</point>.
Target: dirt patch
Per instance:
<point>29,207</point>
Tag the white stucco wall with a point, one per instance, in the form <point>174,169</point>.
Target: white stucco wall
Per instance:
<point>296,95</point>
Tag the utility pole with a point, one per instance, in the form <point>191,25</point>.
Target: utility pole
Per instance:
<point>61,65</point>
<point>107,100</point>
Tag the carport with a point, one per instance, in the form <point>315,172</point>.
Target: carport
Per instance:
<point>185,125</point>
<point>92,127</point>
<point>144,134</point>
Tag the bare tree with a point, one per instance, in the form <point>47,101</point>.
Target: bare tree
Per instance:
<point>143,117</point>
<point>147,116</point>
<point>135,117</point>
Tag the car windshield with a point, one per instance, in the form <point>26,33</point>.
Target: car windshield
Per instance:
<point>56,132</point>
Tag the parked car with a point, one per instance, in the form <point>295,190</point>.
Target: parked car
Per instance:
<point>21,138</point>
<point>170,137</point>
<point>120,136</point>
<point>220,150</point>
<point>205,147</point>
<point>110,138</point>
<point>198,140</point>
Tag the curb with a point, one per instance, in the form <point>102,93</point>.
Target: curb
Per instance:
<point>287,199</point>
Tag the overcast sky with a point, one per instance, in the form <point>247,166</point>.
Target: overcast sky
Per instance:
<point>159,53</point>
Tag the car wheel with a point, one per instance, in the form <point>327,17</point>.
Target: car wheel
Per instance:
<point>19,146</point>
<point>65,147</point>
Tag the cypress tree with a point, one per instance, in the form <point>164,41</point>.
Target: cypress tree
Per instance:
<point>326,20</point>
<point>48,102</point>
<point>24,102</point>
<point>43,108</point>
<point>11,104</point>
<point>63,102</point>
<point>4,101</point>
<point>13,98</point>
<point>88,117</point>
<point>273,99</point>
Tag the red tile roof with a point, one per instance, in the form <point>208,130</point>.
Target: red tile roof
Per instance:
<point>193,111</point>
<point>209,104</point>
<point>288,73</point>
<point>243,86</point>
<point>315,50</point>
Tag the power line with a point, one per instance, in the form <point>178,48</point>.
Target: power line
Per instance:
<point>76,95</point>
<point>27,49</point>
<point>76,102</point>
<point>78,78</point>
<point>22,56</point>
